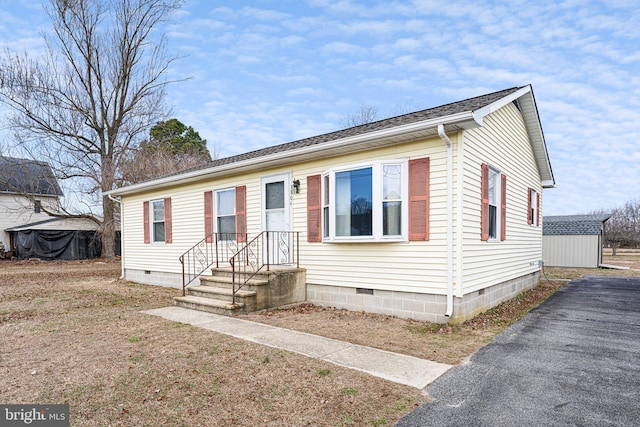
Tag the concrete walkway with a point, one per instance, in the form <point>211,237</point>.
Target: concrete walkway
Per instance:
<point>395,367</point>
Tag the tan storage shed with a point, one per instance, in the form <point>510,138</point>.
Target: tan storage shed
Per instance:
<point>573,240</point>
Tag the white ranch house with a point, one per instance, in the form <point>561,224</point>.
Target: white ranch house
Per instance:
<point>432,215</point>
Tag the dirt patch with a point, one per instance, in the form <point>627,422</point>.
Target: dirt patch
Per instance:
<point>625,258</point>
<point>438,342</point>
<point>73,333</point>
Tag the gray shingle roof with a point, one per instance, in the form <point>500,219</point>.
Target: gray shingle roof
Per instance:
<point>571,225</point>
<point>27,176</point>
<point>470,104</point>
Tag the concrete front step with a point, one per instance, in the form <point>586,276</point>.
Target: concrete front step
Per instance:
<point>209,305</point>
<point>222,294</point>
<point>263,274</point>
<point>227,282</point>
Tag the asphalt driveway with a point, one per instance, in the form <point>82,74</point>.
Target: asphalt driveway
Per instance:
<point>573,361</point>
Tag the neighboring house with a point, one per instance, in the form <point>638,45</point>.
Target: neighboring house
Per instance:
<point>573,240</point>
<point>432,215</point>
<point>28,188</point>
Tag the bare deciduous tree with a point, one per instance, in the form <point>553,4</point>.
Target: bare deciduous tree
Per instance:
<point>367,113</point>
<point>623,228</point>
<point>95,93</point>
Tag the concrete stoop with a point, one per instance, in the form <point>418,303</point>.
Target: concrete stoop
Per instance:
<point>267,289</point>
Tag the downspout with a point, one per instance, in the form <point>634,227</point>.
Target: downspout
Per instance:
<point>446,139</point>
<point>119,202</point>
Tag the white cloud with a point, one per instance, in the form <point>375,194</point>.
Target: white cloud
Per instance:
<point>271,72</point>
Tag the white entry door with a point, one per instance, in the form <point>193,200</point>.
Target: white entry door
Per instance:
<point>276,217</point>
<point>276,203</point>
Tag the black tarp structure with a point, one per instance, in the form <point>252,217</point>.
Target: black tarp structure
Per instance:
<point>59,244</point>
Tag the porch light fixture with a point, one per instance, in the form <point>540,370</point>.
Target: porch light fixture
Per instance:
<point>296,186</point>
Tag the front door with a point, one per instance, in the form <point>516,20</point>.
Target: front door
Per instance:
<point>276,217</point>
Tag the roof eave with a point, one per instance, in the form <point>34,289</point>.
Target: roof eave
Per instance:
<point>524,97</point>
<point>17,193</point>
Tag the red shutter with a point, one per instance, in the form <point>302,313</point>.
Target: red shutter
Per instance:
<point>503,208</point>
<point>484,209</point>
<point>419,199</point>
<point>145,215</point>
<point>241,213</point>
<point>314,208</point>
<point>538,210</point>
<point>168,236</point>
<point>529,206</point>
<point>208,216</point>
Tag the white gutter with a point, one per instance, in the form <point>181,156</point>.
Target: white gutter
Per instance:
<point>446,139</point>
<point>118,201</point>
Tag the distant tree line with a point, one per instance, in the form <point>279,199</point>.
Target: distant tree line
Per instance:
<point>622,230</point>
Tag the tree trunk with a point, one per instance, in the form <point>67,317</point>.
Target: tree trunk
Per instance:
<point>108,229</point>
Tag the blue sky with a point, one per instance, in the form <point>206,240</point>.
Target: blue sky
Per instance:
<point>266,72</point>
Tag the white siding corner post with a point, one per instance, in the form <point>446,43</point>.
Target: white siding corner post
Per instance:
<point>446,139</point>
<point>118,200</point>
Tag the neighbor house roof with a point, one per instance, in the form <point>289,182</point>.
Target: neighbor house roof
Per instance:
<point>25,176</point>
<point>57,223</point>
<point>455,116</point>
<point>571,225</point>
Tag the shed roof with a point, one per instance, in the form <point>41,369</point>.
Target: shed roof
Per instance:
<point>26,176</point>
<point>456,116</point>
<point>572,225</point>
<point>57,223</point>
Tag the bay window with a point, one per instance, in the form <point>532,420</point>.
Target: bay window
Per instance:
<point>365,202</point>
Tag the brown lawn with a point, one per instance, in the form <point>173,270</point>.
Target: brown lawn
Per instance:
<point>73,333</point>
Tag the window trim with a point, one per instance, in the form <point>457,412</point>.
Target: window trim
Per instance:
<point>377,167</point>
<point>534,206</point>
<point>153,222</point>
<point>216,208</point>
<point>497,190</point>
<point>500,204</point>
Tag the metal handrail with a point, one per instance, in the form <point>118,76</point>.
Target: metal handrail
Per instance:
<point>207,252</point>
<point>266,249</point>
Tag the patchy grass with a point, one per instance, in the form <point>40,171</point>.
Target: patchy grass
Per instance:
<point>439,342</point>
<point>89,346</point>
<point>73,333</point>
<point>445,343</point>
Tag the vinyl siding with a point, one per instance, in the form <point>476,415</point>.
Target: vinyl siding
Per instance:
<point>571,251</point>
<point>420,266</point>
<point>408,266</point>
<point>502,142</point>
<point>17,210</point>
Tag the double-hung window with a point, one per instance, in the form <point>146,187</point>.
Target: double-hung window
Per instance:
<point>365,202</point>
<point>494,204</point>
<point>534,207</point>
<point>226,213</point>
<point>157,216</point>
<point>494,197</point>
<point>157,221</point>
